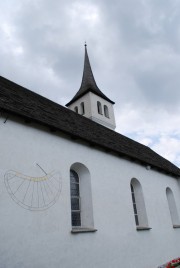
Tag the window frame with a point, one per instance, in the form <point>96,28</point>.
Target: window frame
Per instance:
<point>106,111</point>
<point>172,208</point>
<point>85,194</point>
<point>138,202</point>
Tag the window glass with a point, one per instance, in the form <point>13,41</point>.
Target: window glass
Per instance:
<point>99,107</point>
<point>76,218</point>
<point>106,111</point>
<point>76,109</point>
<point>82,108</point>
<point>134,205</point>
<point>75,199</point>
<point>75,204</point>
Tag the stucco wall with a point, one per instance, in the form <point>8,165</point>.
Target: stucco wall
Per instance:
<point>87,105</point>
<point>91,111</point>
<point>43,239</point>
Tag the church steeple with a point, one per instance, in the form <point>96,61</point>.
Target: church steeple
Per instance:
<point>90,101</point>
<point>88,83</point>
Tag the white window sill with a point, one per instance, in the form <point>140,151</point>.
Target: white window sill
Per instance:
<point>143,228</point>
<point>83,230</point>
<point>176,226</point>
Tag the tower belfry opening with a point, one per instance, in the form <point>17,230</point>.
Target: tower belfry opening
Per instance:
<point>90,101</point>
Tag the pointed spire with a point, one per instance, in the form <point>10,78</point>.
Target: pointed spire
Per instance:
<point>88,83</point>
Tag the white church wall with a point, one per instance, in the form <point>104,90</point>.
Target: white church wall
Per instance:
<point>42,237</point>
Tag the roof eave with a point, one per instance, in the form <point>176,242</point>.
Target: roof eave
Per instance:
<point>84,93</point>
<point>122,154</point>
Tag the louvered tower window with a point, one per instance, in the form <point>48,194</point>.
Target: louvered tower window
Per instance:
<point>76,109</point>
<point>106,111</point>
<point>99,107</point>
<point>82,108</point>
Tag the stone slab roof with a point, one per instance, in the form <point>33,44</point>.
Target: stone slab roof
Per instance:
<point>22,102</point>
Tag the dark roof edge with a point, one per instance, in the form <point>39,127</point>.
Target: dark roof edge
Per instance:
<point>45,112</point>
<point>108,148</point>
<point>87,91</point>
<point>29,90</point>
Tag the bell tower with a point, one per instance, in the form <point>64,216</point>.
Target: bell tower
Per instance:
<point>90,102</point>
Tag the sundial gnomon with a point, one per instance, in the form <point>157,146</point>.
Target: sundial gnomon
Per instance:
<point>33,193</point>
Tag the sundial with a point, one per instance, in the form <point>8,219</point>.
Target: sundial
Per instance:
<point>33,193</point>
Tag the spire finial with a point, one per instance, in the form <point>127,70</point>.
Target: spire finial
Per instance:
<point>85,44</point>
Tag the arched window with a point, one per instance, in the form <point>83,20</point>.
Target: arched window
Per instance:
<point>106,111</point>
<point>99,107</point>
<point>172,208</point>
<point>82,108</point>
<point>81,199</point>
<point>76,109</point>
<point>139,205</point>
<point>134,205</point>
<point>75,199</point>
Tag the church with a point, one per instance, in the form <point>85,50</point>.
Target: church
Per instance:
<point>74,192</point>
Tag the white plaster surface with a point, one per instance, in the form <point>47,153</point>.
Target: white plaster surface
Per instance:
<point>90,103</point>
<point>43,239</point>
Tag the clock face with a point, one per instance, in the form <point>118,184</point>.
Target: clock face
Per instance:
<point>33,193</point>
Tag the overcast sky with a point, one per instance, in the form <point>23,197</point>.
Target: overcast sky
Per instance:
<point>134,50</point>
